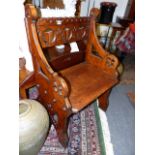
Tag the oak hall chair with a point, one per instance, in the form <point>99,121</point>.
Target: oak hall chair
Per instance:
<point>67,81</point>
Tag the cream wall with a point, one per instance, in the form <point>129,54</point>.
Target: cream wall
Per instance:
<point>120,9</point>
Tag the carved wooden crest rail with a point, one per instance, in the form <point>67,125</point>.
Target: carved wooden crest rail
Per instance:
<point>56,31</point>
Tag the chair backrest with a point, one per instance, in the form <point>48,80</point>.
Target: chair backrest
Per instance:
<point>57,31</point>
<point>46,33</point>
<point>61,31</point>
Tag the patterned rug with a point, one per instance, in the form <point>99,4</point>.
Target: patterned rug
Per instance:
<point>85,135</point>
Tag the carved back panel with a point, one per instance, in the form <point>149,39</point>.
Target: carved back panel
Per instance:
<point>57,31</point>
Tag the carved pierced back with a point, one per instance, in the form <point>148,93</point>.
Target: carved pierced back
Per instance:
<point>57,31</point>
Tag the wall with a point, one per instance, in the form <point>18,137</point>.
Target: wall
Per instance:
<point>120,9</point>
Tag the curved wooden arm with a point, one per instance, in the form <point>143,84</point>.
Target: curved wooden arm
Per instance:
<point>104,59</point>
<point>39,53</point>
<point>31,17</point>
<point>41,66</point>
<point>94,39</point>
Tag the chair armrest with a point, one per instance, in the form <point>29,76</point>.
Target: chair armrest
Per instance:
<point>103,59</point>
<point>109,63</point>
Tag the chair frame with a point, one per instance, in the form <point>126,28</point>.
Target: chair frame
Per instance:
<point>53,89</point>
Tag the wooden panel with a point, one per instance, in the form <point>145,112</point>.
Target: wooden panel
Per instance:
<point>57,31</point>
<point>62,58</point>
<point>67,60</point>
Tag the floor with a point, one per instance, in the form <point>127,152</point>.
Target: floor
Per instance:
<point>121,112</point>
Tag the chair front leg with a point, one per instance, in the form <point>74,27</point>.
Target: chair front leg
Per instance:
<point>59,118</point>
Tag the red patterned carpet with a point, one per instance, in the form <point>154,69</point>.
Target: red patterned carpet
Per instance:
<point>85,135</point>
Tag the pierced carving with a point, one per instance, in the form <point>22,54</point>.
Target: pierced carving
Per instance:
<point>111,61</point>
